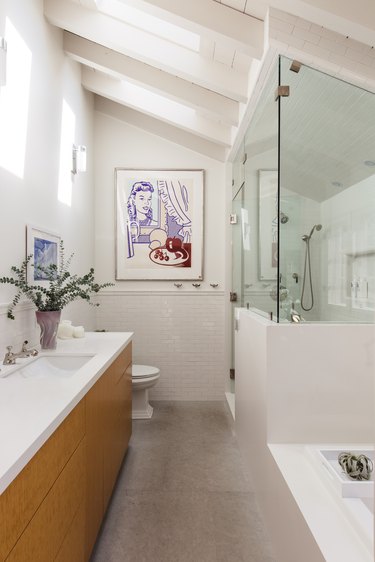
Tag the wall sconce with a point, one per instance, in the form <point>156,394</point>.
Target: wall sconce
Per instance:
<point>3,61</point>
<point>78,159</point>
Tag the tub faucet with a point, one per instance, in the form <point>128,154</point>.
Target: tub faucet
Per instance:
<point>295,316</point>
<point>10,357</point>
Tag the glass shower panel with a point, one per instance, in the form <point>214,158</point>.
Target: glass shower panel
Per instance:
<point>259,212</point>
<point>327,198</point>
<point>237,248</point>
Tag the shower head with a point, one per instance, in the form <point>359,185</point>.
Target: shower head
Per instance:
<point>317,227</point>
<point>284,218</point>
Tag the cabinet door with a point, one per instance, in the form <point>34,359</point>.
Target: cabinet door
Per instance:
<point>44,536</point>
<point>95,427</point>
<point>73,547</point>
<point>108,429</point>
<point>118,420</point>
<point>22,498</point>
<point>124,414</point>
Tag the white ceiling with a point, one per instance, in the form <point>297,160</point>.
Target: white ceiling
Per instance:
<point>183,64</point>
<point>180,67</point>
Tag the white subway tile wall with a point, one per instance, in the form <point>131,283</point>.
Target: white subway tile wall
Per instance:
<point>15,332</point>
<point>322,48</point>
<point>182,334</point>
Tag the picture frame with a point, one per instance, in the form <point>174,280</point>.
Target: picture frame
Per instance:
<point>268,225</point>
<point>44,247</point>
<point>159,224</point>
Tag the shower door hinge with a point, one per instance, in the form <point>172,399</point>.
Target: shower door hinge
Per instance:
<point>295,66</point>
<point>281,92</point>
<point>233,218</point>
<point>244,159</point>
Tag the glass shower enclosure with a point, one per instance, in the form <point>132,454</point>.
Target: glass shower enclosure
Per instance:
<point>307,204</point>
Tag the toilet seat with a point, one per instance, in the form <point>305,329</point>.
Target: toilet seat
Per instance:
<point>144,371</point>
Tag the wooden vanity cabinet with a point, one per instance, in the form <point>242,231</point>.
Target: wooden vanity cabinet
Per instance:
<point>31,495</point>
<point>108,411</point>
<point>117,421</point>
<point>54,508</point>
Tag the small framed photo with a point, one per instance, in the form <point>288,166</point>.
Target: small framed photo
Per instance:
<point>44,247</point>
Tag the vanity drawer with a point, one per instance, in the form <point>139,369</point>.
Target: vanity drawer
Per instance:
<point>45,534</point>
<point>21,499</point>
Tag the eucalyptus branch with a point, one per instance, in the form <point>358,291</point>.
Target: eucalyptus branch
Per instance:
<point>62,289</point>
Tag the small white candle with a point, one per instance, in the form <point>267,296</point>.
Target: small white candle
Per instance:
<point>65,330</point>
<point>79,332</point>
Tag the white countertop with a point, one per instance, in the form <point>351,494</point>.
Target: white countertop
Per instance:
<point>32,408</point>
<point>342,527</point>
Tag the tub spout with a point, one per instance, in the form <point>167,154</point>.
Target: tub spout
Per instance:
<point>295,317</point>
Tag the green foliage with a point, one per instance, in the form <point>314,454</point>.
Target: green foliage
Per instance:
<point>63,287</point>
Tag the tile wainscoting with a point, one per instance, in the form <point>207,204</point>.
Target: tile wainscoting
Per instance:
<point>15,332</point>
<point>181,333</point>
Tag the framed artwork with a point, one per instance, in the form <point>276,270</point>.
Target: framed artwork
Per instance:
<point>159,224</point>
<point>44,246</point>
<point>268,224</point>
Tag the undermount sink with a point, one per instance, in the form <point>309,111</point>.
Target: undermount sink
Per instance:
<point>62,366</point>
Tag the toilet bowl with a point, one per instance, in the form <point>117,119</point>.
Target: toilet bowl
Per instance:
<point>143,378</point>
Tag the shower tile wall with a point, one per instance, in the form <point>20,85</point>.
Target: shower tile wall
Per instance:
<point>182,334</point>
<point>348,256</point>
<point>303,213</point>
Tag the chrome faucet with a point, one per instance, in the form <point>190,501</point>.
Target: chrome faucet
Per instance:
<point>10,357</point>
<point>296,317</point>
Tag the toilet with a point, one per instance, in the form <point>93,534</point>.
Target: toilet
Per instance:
<point>143,378</point>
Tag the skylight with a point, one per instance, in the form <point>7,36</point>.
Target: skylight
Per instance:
<point>151,24</point>
<point>157,104</point>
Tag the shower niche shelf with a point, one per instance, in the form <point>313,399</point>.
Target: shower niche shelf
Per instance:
<point>345,486</point>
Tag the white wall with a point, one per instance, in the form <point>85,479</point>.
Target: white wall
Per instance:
<point>39,79</point>
<point>179,330</point>
<point>280,512</point>
<point>299,384</point>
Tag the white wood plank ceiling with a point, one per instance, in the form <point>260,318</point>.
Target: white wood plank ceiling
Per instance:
<point>184,65</point>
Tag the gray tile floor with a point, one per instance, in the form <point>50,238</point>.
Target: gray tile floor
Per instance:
<point>182,494</point>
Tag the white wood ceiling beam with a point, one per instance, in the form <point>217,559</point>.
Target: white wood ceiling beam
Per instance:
<point>147,48</point>
<point>211,19</point>
<point>156,106</point>
<point>161,129</point>
<point>122,67</point>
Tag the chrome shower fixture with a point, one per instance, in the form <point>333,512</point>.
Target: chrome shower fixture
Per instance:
<point>306,237</point>
<point>307,268</point>
<point>284,218</point>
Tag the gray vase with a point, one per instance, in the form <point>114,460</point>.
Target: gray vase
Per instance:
<point>48,322</point>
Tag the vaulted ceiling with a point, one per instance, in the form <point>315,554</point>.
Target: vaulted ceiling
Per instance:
<point>181,69</point>
<point>177,68</point>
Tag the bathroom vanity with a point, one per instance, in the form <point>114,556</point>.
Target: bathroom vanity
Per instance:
<point>63,437</point>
